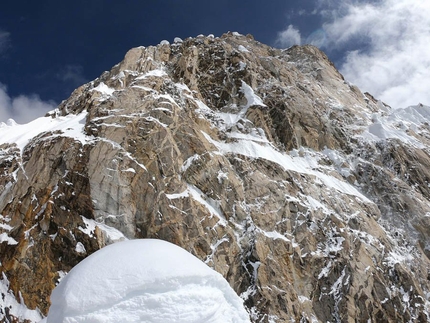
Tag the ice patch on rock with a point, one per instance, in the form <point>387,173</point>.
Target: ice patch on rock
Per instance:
<point>243,49</point>
<point>104,89</point>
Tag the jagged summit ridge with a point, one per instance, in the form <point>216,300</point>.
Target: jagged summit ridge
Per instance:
<point>309,196</point>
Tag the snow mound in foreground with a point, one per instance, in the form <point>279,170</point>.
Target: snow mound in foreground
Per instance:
<point>144,281</point>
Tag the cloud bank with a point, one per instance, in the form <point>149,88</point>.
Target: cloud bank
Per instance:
<point>22,108</point>
<point>385,45</point>
<point>289,37</point>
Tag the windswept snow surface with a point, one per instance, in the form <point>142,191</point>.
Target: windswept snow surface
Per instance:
<point>70,126</point>
<point>147,281</point>
<point>398,124</point>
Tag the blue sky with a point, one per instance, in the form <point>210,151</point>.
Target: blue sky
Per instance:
<point>48,48</point>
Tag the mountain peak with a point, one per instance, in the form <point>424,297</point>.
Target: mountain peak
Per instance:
<point>308,196</point>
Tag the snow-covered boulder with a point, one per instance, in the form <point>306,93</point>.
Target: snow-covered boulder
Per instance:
<point>144,281</point>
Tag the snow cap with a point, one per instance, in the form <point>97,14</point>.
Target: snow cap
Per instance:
<point>145,280</point>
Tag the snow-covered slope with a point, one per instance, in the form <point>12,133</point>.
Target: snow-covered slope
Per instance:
<point>20,134</point>
<point>151,281</point>
<point>402,124</point>
<point>15,308</point>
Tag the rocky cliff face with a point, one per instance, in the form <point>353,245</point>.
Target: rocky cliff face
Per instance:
<point>310,197</point>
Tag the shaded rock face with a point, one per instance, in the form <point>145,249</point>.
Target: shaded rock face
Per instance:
<point>263,163</point>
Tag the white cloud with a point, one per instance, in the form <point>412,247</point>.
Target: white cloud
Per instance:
<point>396,65</point>
<point>385,44</point>
<point>22,108</point>
<point>289,37</point>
